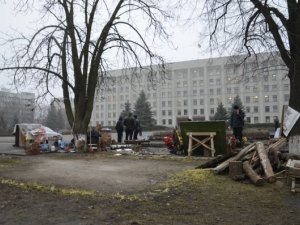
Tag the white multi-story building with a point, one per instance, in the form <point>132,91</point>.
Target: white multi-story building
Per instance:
<point>17,107</point>
<point>193,89</point>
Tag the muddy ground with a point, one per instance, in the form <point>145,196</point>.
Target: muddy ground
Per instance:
<point>105,189</point>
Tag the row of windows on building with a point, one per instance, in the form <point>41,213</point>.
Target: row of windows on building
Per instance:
<point>212,101</point>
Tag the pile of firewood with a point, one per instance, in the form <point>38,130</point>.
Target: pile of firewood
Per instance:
<point>257,162</point>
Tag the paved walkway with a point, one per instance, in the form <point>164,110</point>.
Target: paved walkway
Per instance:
<point>6,147</point>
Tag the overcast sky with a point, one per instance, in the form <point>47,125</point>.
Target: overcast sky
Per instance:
<point>185,38</point>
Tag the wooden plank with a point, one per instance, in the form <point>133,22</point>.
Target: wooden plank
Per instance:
<point>220,168</point>
<point>265,162</point>
<point>254,177</point>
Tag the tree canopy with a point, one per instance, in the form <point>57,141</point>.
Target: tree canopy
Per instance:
<point>76,44</point>
<point>256,26</point>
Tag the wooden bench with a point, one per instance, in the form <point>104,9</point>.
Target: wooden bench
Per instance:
<point>196,137</point>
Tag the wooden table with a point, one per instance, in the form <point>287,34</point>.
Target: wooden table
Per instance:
<point>195,136</point>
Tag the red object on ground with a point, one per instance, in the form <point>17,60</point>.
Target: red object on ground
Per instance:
<point>168,140</point>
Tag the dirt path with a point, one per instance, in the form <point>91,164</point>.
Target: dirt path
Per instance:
<point>102,174</point>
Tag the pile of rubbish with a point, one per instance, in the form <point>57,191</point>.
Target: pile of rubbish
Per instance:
<point>257,162</point>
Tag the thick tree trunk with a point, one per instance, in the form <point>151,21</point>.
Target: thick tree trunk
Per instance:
<point>265,162</point>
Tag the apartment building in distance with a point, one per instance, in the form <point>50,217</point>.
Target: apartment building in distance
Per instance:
<point>17,107</point>
<point>193,89</point>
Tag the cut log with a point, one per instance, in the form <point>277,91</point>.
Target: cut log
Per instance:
<point>235,170</point>
<point>220,168</point>
<point>273,147</point>
<point>254,177</point>
<point>265,162</point>
<point>214,162</point>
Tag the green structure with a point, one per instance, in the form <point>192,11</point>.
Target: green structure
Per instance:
<point>206,126</point>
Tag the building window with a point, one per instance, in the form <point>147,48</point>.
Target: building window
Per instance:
<point>266,88</point>
<point>275,108</point>
<point>154,113</point>
<point>178,93</point>
<point>267,119</point>
<point>211,91</point>
<point>97,116</point>
<point>274,98</point>
<point>236,90</point>
<point>195,111</point>
<point>185,102</point>
<point>248,99</point>
<point>228,90</point>
<point>185,93</point>
<point>164,122</point>
<point>255,98</point>
<point>163,112</point>
<point>169,112</point>
<point>274,77</point>
<point>218,91</point>
<point>169,103</point>
<point>202,101</point>
<point>212,111</point>
<point>185,112</point>
<point>274,87</point>
<point>286,87</point>
<point>211,81</point>
<point>218,81</point>
<point>255,109</point>
<point>248,109</point>
<point>211,101</point>
<point>255,119</point>
<point>179,112</point>
<point>185,84</point>
<point>178,103</point>
<point>194,83</point>
<point>195,102</point>
<point>194,92</point>
<point>267,98</point>
<point>267,108</point>
<point>286,98</point>
<point>248,119</point>
<point>255,89</point>
<point>201,91</point>
<point>201,111</point>
<point>170,121</point>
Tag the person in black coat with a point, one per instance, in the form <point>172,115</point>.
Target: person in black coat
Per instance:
<point>120,128</point>
<point>237,122</point>
<point>137,127</point>
<point>129,126</point>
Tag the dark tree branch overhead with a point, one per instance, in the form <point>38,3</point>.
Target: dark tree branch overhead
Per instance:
<point>76,46</point>
<point>259,26</point>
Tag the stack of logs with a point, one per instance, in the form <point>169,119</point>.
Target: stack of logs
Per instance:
<point>254,161</point>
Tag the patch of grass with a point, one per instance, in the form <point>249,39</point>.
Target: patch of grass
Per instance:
<point>6,162</point>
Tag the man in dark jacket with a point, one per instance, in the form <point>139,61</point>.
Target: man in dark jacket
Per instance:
<point>237,122</point>
<point>129,126</point>
<point>119,127</point>
<point>137,127</point>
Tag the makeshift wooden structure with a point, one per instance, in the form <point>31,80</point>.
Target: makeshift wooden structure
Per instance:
<point>197,138</point>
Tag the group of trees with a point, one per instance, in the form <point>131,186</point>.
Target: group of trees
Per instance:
<point>142,108</point>
<point>56,118</point>
<point>73,51</point>
<point>223,114</point>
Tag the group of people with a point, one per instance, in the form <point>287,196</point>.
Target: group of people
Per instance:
<point>131,125</point>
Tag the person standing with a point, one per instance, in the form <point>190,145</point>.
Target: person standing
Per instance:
<point>129,127</point>
<point>137,127</point>
<point>120,128</point>
<point>237,122</point>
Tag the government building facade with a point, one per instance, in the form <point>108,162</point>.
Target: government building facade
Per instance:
<point>193,89</point>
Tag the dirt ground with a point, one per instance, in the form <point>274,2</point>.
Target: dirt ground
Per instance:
<point>105,189</point>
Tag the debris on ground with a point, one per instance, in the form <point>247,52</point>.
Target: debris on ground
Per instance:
<point>258,163</point>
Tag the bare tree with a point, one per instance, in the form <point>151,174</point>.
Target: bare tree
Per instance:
<point>73,50</point>
<point>255,26</point>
